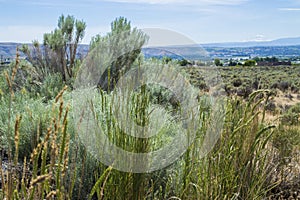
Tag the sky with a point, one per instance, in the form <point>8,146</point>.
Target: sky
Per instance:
<point>202,21</point>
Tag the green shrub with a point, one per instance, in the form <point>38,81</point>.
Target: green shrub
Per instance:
<point>250,63</point>
<point>236,168</point>
<point>51,86</point>
<point>295,108</point>
<point>237,82</point>
<point>286,141</point>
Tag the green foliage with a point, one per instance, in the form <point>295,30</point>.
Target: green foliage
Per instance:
<point>250,63</point>
<point>162,96</point>
<point>166,59</point>
<point>59,49</point>
<point>232,63</point>
<point>43,60</point>
<point>237,167</point>
<point>27,82</point>
<point>183,62</point>
<point>284,78</point>
<point>291,117</point>
<point>64,42</point>
<point>46,159</point>
<point>123,44</point>
<point>285,140</point>
<point>237,82</point>
<point>51,86</point>
<point>266,59</point>
<point>218,62</point>
<point>226,173</point>
<point>295,108</point>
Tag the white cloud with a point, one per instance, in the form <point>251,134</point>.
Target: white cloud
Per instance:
<point>184,2</point>
<point>289,9</point>
<point>259,37</point>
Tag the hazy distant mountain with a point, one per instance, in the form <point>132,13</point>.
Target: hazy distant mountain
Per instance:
<point>177,52</point>
<point>285,47</point>
<point>8,49</point>
<point>278,42</point>
<point>281,47</point>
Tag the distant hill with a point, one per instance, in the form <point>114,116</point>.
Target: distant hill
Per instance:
<point>179,52</point>
<point>279,42</point>
<point>8,49</point>
<point>285,47</point>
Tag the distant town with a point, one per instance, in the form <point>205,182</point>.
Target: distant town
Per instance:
<point>198,55</point>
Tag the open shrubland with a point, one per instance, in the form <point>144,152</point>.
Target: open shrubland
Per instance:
<point>43,156</point>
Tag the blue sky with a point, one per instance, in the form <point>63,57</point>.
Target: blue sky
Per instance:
<point>203,21</point>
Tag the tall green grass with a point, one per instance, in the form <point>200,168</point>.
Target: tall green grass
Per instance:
<point>58,166</point>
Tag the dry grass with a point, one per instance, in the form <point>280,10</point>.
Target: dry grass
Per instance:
<point>251,160</point>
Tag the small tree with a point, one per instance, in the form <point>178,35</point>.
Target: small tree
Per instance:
<point>123,45</point>
<point>250,63</point>
<point>218,62</point>
<point>183,62</point>
<point>166,59</point>
<point>232,63</point>
<point>58,53</point>
<point>64,42</point>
